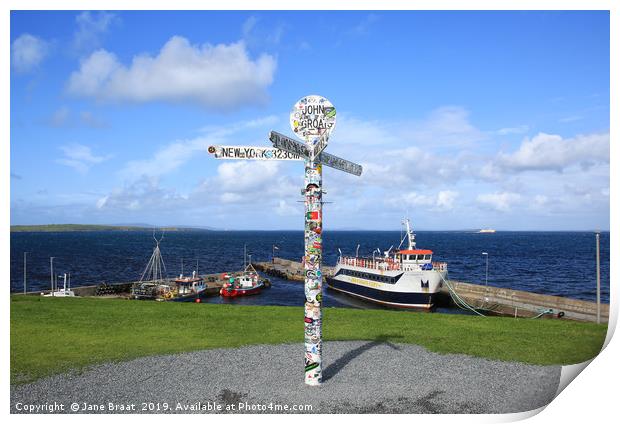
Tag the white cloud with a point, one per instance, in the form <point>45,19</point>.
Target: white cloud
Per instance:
<point>363,26</point>
<point>245,176</point>
<point>442,201</point>
<point>248,26</point>
<point>501,201</point>
<point>521,129</point>
<point>447,126</point>
<point>446,199</point>
<point>172,156</point>
<point>60,117</point>
<point>142,194</point>
<point>568,119</point>
<point>87,118</point>
<point>27,52</point>
<point>255,35</point>
<point>540,201</point>
<point>80,157</point>
<point>552,152</point>
<point>91,27</point>
<point>221,77</point>
<point>285,209</point>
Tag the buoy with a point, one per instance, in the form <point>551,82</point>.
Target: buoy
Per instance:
<point>197,300</point>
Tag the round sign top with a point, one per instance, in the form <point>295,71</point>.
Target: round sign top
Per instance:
<point>312,119</point>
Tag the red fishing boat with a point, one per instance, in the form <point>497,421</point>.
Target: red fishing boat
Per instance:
<point>246,284</point>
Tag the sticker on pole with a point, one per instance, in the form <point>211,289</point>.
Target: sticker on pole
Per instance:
<point>312,119</point>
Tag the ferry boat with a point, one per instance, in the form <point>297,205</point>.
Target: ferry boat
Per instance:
<point>246,284</point>
<point>487,230</point>
<point>407,278</point>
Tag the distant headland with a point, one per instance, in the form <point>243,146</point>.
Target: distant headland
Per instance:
<point>88,227</point>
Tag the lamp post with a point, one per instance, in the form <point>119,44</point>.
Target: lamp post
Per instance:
<point>486,277</point>
<point>52,273</point>
<point>25,253</point>
<point>598,278</point>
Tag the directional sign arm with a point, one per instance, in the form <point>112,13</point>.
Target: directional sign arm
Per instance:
<point>280,141</point>
<point>252,153</point>
<point>340,164</point>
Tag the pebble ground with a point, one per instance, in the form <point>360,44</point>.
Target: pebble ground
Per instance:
<point>358,377</point>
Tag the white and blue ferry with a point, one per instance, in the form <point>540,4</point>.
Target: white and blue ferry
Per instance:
<point>407,278</point>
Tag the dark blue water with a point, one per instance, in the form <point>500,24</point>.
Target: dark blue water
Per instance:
<point>555,263</point>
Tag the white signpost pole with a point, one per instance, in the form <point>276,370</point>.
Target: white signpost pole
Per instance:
<point>312,119</point>
<point>313,283</point>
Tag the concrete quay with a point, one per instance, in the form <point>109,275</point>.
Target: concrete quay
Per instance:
<point>493,300</point>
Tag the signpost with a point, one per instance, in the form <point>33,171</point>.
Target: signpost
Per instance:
<point>312,119</point>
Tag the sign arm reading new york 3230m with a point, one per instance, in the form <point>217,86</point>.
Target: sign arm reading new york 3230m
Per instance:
<point>312,119</point>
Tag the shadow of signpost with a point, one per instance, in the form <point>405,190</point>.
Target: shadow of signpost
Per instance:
<point>334,368</point>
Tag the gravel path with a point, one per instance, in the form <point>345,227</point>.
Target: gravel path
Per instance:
<point>359,377</point>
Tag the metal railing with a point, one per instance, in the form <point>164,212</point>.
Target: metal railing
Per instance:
<point>386,264</point>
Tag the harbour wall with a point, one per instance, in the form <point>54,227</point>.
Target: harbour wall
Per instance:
<point>493,300</point>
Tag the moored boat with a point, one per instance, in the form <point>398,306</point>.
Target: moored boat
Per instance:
<point>153,283</point>
<point>247,283</point>
<point>190,286</point>
<point>407,278</point>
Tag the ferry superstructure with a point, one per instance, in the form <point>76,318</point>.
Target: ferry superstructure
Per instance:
<point>407,278</point>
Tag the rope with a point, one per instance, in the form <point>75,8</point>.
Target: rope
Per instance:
<point>457,299</point>
<point>464,305</point>
<point>543,312</point>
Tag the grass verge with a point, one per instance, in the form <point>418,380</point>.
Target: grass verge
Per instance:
<point>50,335</point>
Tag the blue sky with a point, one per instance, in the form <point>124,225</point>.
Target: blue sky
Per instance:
<point>460,119</point>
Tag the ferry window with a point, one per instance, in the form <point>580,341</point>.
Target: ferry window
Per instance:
<point>411,257</point>
<point>427,256</point>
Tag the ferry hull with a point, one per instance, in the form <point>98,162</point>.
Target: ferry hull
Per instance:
<point>394,299</point>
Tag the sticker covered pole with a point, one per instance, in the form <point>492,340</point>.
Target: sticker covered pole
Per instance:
<point>312,119</point>
<point>312,266</point>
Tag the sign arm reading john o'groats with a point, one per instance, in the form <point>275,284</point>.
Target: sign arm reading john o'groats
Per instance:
<point>312,119</point>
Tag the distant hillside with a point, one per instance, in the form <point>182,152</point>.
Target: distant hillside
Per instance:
<point>85,227</point>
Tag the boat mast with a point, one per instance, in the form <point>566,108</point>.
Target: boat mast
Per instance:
<point>156,269</point>
<point>410,235</point>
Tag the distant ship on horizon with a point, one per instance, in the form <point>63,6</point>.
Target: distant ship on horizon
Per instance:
<point>487,230</point>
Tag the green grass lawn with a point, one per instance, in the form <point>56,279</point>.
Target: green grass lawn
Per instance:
<point>49,335</point>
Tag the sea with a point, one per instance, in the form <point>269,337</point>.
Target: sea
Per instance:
<point>554,263</point>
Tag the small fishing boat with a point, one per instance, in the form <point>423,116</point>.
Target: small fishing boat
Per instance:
<point>153,284</point>
<point>247,283</point>
<point>190,286</point>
